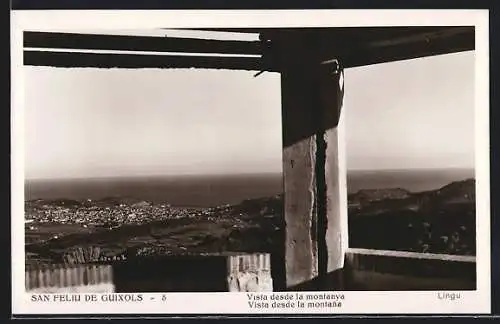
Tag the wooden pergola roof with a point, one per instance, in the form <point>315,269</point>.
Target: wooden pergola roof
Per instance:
<point>353,46</point>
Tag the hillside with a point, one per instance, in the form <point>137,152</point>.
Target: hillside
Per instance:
<point>440,221</point>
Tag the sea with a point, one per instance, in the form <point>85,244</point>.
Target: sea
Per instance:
<point>215,190</point>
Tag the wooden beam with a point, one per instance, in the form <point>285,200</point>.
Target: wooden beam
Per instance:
<point>359,46</point>
<point>138,43</point>
<point>132,61</point>
<point>406,47</point>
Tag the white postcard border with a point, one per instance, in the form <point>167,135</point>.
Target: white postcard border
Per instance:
<point>230,303</point>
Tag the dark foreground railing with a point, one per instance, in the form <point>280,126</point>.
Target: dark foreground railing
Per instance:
<point>364,270</point>
<point>398,270</point>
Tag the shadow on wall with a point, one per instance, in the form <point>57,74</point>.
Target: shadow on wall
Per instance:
<point>184,273</point>
<point>375,270</point>
<point>395,271</point>
<point>195,273</point>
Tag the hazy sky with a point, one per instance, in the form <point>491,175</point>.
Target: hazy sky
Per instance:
<point>411,114</point>
<point>91,122</point>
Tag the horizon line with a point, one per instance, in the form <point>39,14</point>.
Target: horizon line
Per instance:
<point>236,174</point>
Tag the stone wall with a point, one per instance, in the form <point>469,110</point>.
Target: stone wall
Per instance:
<point>182,273</point>
<point>250,273</point>
<point>69,278</point>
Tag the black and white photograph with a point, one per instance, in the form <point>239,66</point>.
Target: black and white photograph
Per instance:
<point>256,160</point>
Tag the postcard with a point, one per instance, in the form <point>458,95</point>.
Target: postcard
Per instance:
<point>250,162</point>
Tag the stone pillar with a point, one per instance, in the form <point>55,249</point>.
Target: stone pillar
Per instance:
<point>314,174</point>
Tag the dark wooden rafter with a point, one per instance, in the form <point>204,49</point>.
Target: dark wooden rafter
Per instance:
<point>424,47</point>
<point>138,43</point>
<point>409,45</point>
<point>135,61</point>
<point>364,45</point>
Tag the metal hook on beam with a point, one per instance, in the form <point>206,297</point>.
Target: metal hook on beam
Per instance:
<point>336,62</point>
<point>258,73</point>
